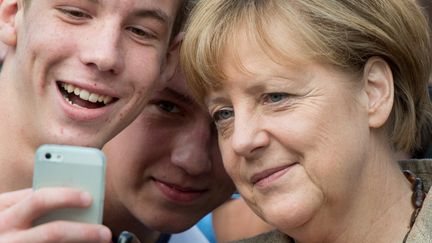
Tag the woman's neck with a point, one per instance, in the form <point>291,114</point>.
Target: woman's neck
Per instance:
<point>378,209</point>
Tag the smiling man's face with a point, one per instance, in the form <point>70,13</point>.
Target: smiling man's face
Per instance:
<point>84,69</point>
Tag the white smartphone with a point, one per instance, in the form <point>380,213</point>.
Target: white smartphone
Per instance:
<point>71,166</point>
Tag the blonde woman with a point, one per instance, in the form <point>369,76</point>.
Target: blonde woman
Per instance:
<point>312,100</point>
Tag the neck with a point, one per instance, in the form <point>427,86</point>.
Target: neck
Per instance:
<point>18,137</point>
<point>17,147</point>
<point>377,209</point>
<point>16,166</point>
<point>118,218</point>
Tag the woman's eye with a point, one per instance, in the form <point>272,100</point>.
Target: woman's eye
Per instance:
<point>275,97</point>
<point>168,107</point>
<point>223,114</point>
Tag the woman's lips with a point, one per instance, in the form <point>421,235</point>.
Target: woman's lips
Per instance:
<point>178,194</point>
<point>266,177</point>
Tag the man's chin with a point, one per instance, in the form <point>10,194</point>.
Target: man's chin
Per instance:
<point>173,226</point>
<point>79,139</point>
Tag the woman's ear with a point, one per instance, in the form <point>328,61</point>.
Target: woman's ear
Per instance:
<point>171,62</point>
<point>8,12</point>
<point>379,87</point>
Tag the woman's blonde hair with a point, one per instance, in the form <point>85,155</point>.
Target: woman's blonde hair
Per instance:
<point>343,33</point>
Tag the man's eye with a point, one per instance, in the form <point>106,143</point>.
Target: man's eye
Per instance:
<point>140,33</point>
<point>78,14</point>
<point>168,107</point>
<point>275,97</point>
<point>223,114</point>
<point>74,13</point>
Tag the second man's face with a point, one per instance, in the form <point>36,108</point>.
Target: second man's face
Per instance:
<point>165,168</point>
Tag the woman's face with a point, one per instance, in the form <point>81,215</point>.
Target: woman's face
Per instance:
<point>292,137</point>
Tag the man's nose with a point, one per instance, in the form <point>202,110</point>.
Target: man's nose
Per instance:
<point>193,150</point>
<point>103,49</point>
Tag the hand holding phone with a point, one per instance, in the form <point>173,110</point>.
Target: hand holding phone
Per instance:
<point>18,208</point>
<point>71,166</point>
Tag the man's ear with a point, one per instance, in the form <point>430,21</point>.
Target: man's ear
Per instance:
<point>378,81</point>
<point>172,58</point>
<point>8,12</point>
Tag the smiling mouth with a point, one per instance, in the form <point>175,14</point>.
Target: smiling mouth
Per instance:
<point>181,189</point>
<point>83,98</point>
<point>178,194</point>
<point>268,176</point>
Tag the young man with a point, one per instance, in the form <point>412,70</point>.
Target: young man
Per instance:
<point>164,171</point>
<point>76,72</point>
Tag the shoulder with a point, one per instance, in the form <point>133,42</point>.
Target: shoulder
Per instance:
<point>269,237</point>
<point>422,228</point>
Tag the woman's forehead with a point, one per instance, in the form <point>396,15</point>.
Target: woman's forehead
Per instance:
<point>247,46</point>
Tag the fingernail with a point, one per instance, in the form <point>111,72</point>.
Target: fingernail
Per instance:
<point>105,234</point>
<point>86,198</point>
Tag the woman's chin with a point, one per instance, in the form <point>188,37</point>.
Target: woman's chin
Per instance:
<point>289,214</point>
<point>287,223</point>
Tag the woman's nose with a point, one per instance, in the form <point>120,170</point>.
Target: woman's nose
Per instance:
<point>248,137</point>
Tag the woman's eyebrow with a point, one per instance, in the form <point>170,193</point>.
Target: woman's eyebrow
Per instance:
<point>216,100</point>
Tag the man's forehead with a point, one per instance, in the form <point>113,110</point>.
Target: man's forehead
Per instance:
<point>163,14</point>
<point>161,9</point>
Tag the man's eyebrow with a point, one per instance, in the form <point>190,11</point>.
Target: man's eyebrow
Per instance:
<point>146,13</point>
<point>151,13</point>
<point>179,96</point>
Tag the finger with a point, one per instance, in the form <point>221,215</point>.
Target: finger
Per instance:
<point>8,199</point>
<point>43,201</point>
<point>62,232</point>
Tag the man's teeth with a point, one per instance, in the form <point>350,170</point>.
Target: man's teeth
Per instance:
<point>86,95</point>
